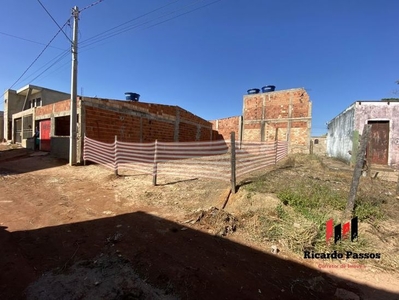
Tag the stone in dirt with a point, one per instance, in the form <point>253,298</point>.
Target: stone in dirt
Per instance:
<point>217,220</point>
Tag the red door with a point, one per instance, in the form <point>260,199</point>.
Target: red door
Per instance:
<point>45,135</point>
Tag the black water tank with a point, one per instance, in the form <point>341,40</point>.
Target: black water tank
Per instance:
<point>132,96</point>
<point>253,91</point>
<point>268,88</point>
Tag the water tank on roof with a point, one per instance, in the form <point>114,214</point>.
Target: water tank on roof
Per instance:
<point>253,91</point>
<point>268,88</point>
<point>132,96</point>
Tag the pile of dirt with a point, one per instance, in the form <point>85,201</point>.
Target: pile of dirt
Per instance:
<point>217,221</point>
<point>109,276</point>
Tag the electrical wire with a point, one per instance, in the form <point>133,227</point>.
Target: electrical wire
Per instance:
<point>104,36</point>
<point>91,5</point>
<point>149,21</point>
<point>60,67</point>
<point>41,4</point>
<point>55,60</point>
<point>182,14</point>
<point>27,40</point>
<point>101,37</point>
<point>40,54</point>
<point>131,20</point>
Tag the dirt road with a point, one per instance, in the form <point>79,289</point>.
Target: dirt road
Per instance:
<point>58,218</point>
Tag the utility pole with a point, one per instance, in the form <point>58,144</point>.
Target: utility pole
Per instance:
<point>74,77</point>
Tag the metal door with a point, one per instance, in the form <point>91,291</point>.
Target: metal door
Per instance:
<point>18,130</point>
<point>379,142</point>
<point>45,135</point>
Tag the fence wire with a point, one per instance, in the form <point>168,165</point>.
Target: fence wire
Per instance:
<point>185,159</point>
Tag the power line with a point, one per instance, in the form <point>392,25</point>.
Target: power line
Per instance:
<point>182,14</point>
<point>54,20</point>
<point>91,5</point>
<point>122,30</point>
<point>131,20</point>
<point>40,54</point>
<point>133,26</point>
<point>52,66</point>
<point>27,40</point>
<point>56,59</point>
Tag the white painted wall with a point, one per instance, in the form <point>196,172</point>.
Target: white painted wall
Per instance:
<point>340,133</point>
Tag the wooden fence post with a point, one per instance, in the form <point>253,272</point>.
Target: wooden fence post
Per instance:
<point>397,186</point>
<point>276,146</point>
<point>311,147</point>
<point>155,168</point>
<point>357,171</point>
<point>369,151</point>
<point>84,145</point>
<point>115,155</point>
<point>233,162</point>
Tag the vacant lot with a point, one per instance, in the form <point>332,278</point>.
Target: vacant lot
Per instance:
<point>94,234</point>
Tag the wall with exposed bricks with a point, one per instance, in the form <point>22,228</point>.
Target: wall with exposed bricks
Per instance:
<point>285,115</point>
<point>223,127</point>
<point>142,122</point>
<point>287,111</point>
<point>103,119</point>
<point>49,111</point>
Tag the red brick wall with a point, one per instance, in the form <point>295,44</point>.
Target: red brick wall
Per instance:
<point>223,127</point>
<point>274,110</point>
<point>187,132</point>
<point>157,130</point>
<point>106,118</point>
<point>157,122</point>
<point>58,107</point>
<point>103,125</point>
<point>276,105</point>
<point>187,116</point>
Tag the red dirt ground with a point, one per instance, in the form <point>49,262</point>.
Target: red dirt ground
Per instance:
<point>53,215</point>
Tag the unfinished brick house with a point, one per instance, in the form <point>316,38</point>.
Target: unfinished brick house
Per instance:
<point>103,119</point>
<point>284,115</point>
<point>19,106</point>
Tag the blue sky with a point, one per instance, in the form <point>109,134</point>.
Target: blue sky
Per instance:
<point>205,61</point>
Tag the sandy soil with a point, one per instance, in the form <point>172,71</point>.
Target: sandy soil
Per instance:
<point>81,232</point>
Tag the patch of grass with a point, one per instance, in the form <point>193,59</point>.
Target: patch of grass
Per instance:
<point>310,195</point>
<point>366,209</point>
<point>306,205</point>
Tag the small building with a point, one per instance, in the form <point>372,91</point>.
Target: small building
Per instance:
<point>284,115</point>
<point>319,144</point>
<point>23,101</point>
<point>344,132</point>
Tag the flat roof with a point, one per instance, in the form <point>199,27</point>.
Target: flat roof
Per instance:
<point>35,89</point>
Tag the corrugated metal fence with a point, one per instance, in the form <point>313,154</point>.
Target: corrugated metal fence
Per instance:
<point>213,160</point>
